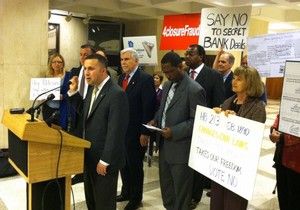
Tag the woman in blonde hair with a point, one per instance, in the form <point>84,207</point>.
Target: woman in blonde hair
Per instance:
<point>58,109</point>
<point>247,86</point>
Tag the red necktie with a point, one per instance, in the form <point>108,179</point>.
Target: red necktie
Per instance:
<point>125,82</point>
<point>193,74</point>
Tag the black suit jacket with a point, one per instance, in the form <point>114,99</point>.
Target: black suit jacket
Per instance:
<point>142,99</point>
<point>212,82</point>
<point>75,71</point>
<point>105,127</point>
<point>228,86</point>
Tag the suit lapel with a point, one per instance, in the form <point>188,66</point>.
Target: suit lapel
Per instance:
<point>133,80</point>
<point>99,98</point>
<point>179,91</point>
<point>87,102</point>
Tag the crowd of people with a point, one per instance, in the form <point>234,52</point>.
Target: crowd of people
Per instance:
<point>108,110</point>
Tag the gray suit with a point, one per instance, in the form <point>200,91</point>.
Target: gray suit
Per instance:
<point>175,175</point>
<point>106,132</point>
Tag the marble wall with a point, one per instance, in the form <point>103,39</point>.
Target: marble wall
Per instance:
<point>23,51</point>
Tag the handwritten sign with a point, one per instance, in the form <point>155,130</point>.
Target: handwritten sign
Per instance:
<point>226,27</point>
<point>226,149</point>
<point>290,100</point>
<point>268,53</point>
<point>41,85</point>
<point>145,46</point>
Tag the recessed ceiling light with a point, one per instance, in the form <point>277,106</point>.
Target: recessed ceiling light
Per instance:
<point>258,4</point>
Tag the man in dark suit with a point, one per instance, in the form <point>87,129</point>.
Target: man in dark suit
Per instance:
<point>175,116</point>
<point>74,124</point>
<point>212,82</point>
<point>224,65</point>
<point>104,106</point>
<point>140,91</point>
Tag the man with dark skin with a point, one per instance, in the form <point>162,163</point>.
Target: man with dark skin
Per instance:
<point>212,82</point>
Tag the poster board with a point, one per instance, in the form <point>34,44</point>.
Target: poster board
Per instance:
<point>41,85</point>
<point>180,31</point>
<point>145,46</point>
<point>226,149</point>
<point>227,27</point>
<point>289,121</point>
<point>268,53</point>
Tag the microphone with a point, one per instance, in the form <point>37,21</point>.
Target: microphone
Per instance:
<point>52,118</point>
<point>32,109</point>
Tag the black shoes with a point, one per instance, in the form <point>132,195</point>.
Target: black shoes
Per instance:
<point>133,205</point>
<point>121,198</point>
<point>194,203</point>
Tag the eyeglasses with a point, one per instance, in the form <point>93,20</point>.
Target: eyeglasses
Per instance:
<point>59,62</point>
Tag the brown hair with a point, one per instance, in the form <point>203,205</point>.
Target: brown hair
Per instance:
<point>159,74</point>
<point>254,85</point>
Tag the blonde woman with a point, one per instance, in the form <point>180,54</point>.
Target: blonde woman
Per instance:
<point>56,66</point>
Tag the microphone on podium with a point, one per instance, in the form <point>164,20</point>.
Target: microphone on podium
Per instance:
<point>33,108</point>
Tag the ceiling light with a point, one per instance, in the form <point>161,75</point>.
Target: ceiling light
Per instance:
<point>258,4</point>
<point>68,17</point>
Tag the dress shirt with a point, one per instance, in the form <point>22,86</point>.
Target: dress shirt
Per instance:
<point>196,71</point>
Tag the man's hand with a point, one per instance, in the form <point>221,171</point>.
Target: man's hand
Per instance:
<point>152,122</point>
<point>166,133</point>
<point>101,169</point>
<point>74,84</point>
<point>144,140</point>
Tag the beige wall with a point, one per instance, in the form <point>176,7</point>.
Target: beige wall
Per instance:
<point>23,51</point>
<point>72,35</point>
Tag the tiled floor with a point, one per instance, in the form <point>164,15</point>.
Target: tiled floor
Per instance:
<point>13,197</point>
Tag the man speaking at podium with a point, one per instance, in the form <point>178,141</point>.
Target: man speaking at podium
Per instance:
<point>105,104</point>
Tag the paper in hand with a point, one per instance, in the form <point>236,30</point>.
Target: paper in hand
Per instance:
<point>150,127</point>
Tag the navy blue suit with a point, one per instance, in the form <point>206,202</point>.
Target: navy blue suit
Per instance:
<point>141,97</point>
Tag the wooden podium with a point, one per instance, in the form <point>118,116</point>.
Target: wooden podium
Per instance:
<point>34,153</point>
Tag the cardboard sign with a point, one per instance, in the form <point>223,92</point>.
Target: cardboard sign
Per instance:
<point>226,149</point>
<point>268,53</point>
<point>227,27</point>
<point>41,85</point>
<point>145,46</point>
<point>180,31</point>
<point>290,100</point>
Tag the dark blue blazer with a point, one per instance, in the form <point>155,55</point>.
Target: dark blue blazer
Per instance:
<point>142,100</point>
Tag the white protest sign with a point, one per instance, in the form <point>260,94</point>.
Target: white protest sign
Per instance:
<point>290,100</point>
<point>145,46</point>
<point>226,149</point>
<point>227,27</point>
<point>268,53</point>
<point>41,85</point>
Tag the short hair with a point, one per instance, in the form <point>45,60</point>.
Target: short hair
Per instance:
<point>159,74</point>
<point>254,85</point>
<point>199,48</point>
<point>132,52</point>
<point>50,70</point>
<point>231,58</point>
<point>98,57</point>
<point>88,46</point>
<point>172,58</point>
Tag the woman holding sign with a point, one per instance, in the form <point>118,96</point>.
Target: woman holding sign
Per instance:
<point>57,111</point>
<point>247,86</point>
<point>287,164</point>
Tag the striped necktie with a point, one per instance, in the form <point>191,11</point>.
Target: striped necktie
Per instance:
<point>168,100</point>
